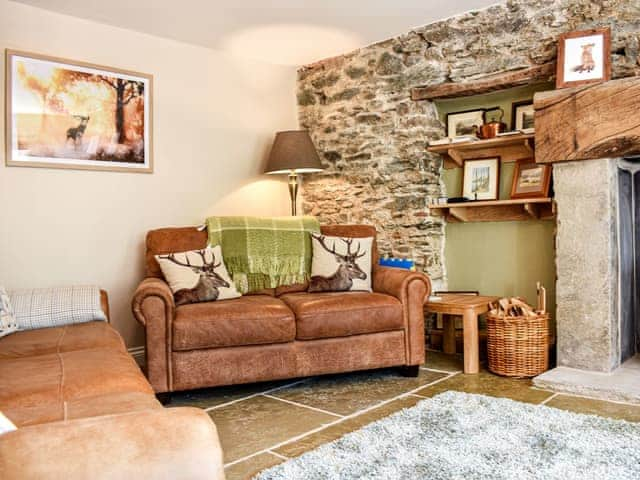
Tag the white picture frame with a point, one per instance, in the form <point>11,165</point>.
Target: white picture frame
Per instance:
<point>481,178</point>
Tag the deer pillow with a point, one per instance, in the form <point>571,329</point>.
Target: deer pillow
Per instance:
<point>340,264</point>
<point>197,276</point>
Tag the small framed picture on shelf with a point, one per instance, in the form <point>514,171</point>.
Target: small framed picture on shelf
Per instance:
<point>530,180</point>
<point>464,123</point>
<point>584,57</point>
<point>522,115</point>
<point>481,178</point>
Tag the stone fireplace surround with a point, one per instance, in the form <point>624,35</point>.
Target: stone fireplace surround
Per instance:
<point>597,313</point>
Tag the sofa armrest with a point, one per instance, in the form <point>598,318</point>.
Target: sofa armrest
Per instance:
<point>412,289</point>
<point>154,307</point>
<point>176,443</point>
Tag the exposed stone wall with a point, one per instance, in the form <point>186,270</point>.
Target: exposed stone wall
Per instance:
<point>372,138</point>
<point>587,264</point>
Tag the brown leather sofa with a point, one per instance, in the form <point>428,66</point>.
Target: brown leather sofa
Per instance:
<point>280,333</point>
<point>84,410</point>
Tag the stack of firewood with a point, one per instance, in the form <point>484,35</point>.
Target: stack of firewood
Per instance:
<point>517,307</point>
<point>512,307</point>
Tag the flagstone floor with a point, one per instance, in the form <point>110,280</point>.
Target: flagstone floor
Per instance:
<point>261,425</point>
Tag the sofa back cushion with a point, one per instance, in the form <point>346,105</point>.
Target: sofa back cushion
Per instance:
<point>168,240</point>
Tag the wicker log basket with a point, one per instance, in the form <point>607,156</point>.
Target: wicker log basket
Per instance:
<point>517,339</point>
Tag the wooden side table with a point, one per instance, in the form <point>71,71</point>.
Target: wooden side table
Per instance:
<point>469,307</point>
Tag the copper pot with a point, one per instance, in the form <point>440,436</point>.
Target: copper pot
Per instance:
<point>493,128</point>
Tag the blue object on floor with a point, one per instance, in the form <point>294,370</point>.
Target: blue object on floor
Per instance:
<point>403,263</point>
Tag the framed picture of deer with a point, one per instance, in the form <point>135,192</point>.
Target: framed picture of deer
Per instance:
<point>68,114</point>
<point>584,57</point>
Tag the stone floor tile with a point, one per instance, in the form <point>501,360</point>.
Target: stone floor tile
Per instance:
<point>597,407</point>
<point>488,384</point>
<point>345,394</point>
<point>251,425</point>
<point>444,362</point>
<point>247,469</point>
<point>348,425</point>
<point>210,397</point>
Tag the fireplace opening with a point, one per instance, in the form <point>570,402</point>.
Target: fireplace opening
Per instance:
<point>629,256</point>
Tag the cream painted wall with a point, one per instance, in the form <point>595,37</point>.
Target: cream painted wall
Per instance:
<point>214,120</point>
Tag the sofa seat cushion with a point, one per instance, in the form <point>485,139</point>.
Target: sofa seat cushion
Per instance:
<point>27,383</point>
<point>248,320</point>
<point>107,404</point>
<point>340,314</point>
<point>69,338</point>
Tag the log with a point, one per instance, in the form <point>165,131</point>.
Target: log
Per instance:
<point>588,122</point>
<point>516,78</point>
<point>512,307</point>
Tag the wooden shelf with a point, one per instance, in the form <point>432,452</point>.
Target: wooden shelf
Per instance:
<point>510,148</point>
<point>492,83</point>
<point>497,210</point>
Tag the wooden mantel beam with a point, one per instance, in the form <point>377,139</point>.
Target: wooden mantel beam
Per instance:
<point>516,78</point>
<point>589,122</point>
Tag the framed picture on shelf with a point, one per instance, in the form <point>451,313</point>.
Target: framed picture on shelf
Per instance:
<point>522,115</point>
<point>584,57</point>
<point>68,114</point>
<point>481,178</point>
<point>464,123</point>
<point>530,180</point>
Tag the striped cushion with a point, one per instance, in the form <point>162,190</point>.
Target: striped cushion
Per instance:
<point>54,307</point>
<point>7,319</point>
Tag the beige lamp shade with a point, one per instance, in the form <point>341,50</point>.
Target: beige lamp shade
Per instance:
<point>293,151</point>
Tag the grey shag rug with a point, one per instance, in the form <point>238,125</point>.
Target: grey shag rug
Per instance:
<point>463,436</point>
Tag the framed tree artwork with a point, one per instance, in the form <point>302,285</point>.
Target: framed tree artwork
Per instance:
<point>68,114</point>
<point>530,180</point>
<point>481,178</point>
<point>584,57</point>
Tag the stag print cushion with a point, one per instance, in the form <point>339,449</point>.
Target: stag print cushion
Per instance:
<point>197,276</point>
<point>340,264</point>
<point>8,322</point>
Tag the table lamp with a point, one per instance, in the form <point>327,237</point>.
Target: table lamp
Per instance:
<point>293,153</point>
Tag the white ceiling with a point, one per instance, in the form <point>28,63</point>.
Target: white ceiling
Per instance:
<point>289,32</point>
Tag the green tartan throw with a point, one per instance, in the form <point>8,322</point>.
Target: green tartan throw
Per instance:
<point>264,252</point>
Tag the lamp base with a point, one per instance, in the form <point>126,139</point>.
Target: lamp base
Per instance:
<point>293,191</point>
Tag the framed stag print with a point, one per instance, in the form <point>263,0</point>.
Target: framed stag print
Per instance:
<point>68,114</point>
<point>584,57</point>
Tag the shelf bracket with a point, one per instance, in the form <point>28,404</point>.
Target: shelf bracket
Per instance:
<point>529,145</point>
<point>459,214</point>
<point>533,210</point>
<point>455,156</point>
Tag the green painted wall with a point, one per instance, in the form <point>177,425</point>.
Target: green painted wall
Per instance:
<point>498,258</point>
